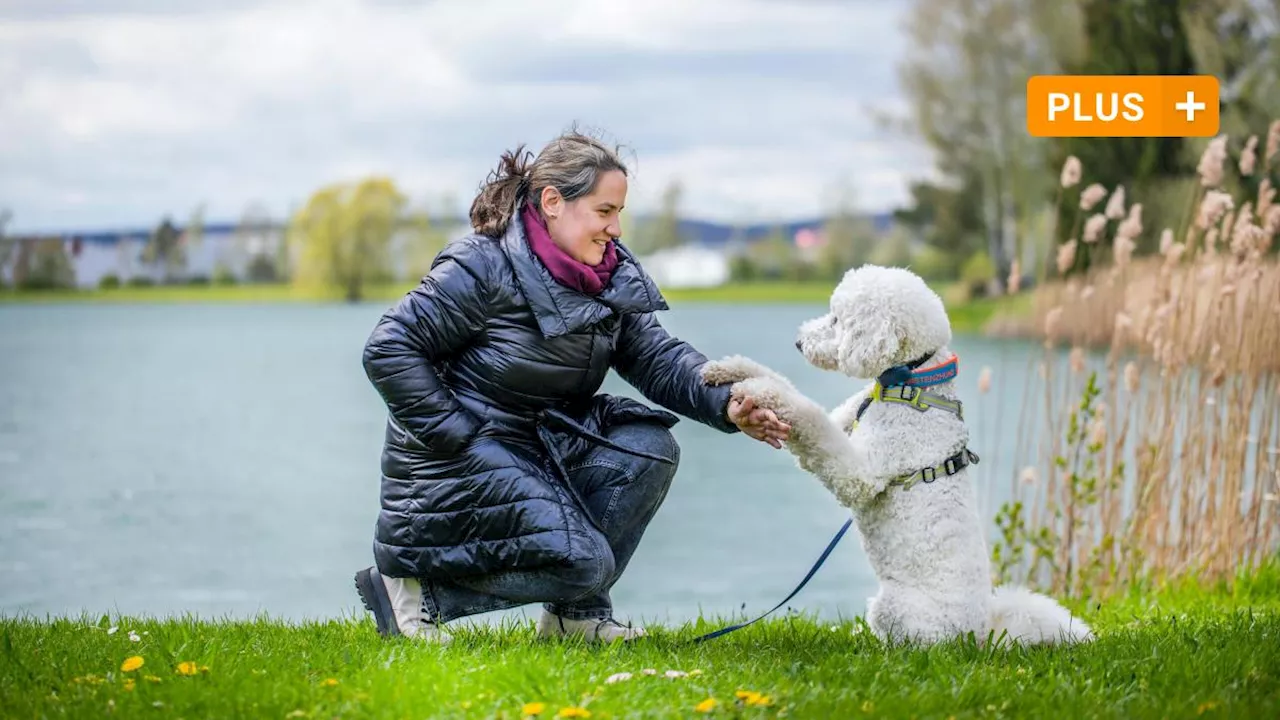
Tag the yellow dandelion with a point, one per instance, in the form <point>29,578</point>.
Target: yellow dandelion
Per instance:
<point>747,696</point>
<point>329,682</point>
<point>1206,707</point>
<point>204,668</point>
<point>131,664</point>
<point>573,712</point>
<point>868,706</point>
<point>129,684</point>
<point>533,708</point>
<point>760,701</point>
<point>151,678</point>
<point>707,705</point>
<point>188,668</point>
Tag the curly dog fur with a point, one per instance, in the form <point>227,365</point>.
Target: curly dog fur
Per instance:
<point>926,542</point>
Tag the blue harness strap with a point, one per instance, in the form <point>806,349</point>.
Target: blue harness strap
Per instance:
<point>812,571</point>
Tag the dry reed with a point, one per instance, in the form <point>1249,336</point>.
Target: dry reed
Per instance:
<point>1159,452</point>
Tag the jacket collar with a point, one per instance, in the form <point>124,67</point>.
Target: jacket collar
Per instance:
<point>560,310</point>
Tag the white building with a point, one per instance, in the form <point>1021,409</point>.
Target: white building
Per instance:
<point>687,266</point>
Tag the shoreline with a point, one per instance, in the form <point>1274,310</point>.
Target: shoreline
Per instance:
<point>968,316</point>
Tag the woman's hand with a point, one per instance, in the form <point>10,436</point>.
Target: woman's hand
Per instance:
<point>759,423</point>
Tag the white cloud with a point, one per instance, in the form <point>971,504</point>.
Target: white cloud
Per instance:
<point>117,114</point>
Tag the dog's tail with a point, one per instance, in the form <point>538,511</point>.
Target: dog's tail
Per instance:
<point>1028,617</point>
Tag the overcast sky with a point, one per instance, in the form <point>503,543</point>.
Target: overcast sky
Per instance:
<point>114,113</point>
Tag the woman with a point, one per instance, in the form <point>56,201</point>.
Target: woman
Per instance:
<point>506,478</point>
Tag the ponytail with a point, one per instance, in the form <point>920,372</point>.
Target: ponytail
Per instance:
<point>498,200</point>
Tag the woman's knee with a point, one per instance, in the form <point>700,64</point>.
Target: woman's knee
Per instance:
<point>650,438</point>
<point>585,575</point>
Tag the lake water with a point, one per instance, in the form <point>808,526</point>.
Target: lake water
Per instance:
<point>222,461</point>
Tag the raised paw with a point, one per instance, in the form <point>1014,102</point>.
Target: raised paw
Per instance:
<point>769,393</point>
<point>736,368</point>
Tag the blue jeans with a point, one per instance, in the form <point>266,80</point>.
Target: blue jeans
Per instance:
<point>622,492</point>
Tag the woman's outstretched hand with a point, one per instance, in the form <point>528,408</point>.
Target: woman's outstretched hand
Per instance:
<point>759,423</point>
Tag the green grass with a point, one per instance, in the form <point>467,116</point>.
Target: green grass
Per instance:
<point>1179,653</point>
<point>967,316</point>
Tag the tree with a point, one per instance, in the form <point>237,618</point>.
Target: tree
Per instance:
<point>1131,37</point>
<point>344,234</point>
<point>165,250</point>
<point>44,264</point>
<point>773,255</point>
<point>849,239</point>
<point>254,246</point>
<point>948,220</point>
<point>965,78</point>
<point>7,245</point>
<point>662,231</point>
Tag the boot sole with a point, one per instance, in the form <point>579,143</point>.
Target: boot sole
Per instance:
<point>373,593</point>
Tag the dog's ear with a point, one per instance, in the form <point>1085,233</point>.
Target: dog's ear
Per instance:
<point>867,349</point>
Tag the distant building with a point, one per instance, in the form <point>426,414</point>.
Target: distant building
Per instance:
<point>687,266</point>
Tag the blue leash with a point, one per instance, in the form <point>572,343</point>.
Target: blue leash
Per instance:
<point>812,571</point>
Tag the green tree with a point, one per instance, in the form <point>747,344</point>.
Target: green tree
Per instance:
<point>948,220</point>
<point>661,231</point>
<point>44,264</point>
<point>7,245</point>
<point>344,235</point>
<point>965,75</point>
<point>773,255</point>
<point>894,250</point>
<point>1127,37</point>
<point>849,239</point>
<point>165,250</point>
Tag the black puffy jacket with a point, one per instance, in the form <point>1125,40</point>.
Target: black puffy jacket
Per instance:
<point>490,370</point>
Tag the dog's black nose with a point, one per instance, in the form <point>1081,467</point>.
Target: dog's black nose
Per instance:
<point>798,346</point>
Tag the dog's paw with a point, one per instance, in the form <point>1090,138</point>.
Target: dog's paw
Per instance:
<point>732,369</point>
<point>769,393</point>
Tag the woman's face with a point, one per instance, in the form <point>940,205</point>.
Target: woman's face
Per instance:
<point>585,226</point>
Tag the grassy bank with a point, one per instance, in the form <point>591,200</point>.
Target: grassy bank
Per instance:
<point>967,316</point>
<point>1183,653</point>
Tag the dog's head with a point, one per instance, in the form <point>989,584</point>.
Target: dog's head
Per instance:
<point>880,317</point>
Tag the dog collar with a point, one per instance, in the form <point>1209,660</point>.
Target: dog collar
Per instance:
<point>911,374</point>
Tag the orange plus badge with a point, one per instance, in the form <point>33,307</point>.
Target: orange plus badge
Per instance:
<point>1122,106</point>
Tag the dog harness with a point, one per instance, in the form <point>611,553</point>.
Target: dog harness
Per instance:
<point>902,385</point>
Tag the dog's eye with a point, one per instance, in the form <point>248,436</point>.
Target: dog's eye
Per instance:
<point>833,321</point>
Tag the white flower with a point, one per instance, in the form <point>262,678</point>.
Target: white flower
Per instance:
<point>618,677</point>
<point>133,637</point>
<point>649,671</point>
<point>112,630</point>
<point>673,674</point>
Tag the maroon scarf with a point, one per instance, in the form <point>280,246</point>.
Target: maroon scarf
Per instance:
<point>564,268</point>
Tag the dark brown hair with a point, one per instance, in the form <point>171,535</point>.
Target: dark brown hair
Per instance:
<point>572,164</point>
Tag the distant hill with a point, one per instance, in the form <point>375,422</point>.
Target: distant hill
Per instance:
<point>704,232</point>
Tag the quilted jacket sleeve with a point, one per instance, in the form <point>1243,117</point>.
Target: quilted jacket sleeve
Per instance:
<point>427,325</point>
<point>666,370</point>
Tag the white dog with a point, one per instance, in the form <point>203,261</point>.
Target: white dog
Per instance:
<point>895,453</point>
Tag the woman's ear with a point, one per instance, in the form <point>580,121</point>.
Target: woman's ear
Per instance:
<point>552,202</point>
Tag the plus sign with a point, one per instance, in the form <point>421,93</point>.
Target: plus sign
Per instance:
<point>1190,106</point>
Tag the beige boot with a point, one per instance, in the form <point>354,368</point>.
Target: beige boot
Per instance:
<point>396,604</point>
<point>606,630</point>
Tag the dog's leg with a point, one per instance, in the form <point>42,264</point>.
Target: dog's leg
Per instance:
<point>736,368</point>
<point>820,447</point>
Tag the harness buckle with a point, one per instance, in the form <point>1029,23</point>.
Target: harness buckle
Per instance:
<point>929,474</point>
